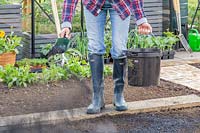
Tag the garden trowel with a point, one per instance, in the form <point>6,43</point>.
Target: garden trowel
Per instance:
<point>178,17</point>
<point>61,44</point>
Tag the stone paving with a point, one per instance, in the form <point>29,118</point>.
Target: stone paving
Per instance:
<point>179,71</point>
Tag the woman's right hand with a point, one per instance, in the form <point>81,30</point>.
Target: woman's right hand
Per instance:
<point>65,33</point>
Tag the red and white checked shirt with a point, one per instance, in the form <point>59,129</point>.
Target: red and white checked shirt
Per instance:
<point>123,7</point>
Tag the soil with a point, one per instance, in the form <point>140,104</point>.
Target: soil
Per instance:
<point>73,94</point>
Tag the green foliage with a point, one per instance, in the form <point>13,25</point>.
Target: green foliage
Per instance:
<point>165,42</point>
<point>44,25</point>
<point>107,71</point>
<point>171,39</point>
<point>3,2</point>
<point>9,43</point>
<point>192,5</point>
<point>108,39</point>
<point>32,62</point>
<point>46,48</point>
<point>54,73</point>
<point>17,76</point>
<point>80,44</point>
<point>78,67</point>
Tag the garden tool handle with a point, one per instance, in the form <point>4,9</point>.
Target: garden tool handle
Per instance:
<point>56,17</point>
<point>176,6</point>
<point>178,14</point>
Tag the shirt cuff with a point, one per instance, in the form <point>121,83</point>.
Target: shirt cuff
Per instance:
<point>141,21</point>
<point>66,25</point>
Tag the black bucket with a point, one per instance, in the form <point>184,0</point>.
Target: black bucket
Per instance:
<point>143,67</point>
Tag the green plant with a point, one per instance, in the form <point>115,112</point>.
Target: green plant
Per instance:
<point>46,48</point>
<point>3,2</point>
<point>81,46</point>
<point>32,62</point>
<point>9,43</point>
<point>107,71</point>
<point>165,42</point>
<point>78,67</point>
<point>54,73</point>
<point>108,39</point>
<point>192,5</point>
<point>17,76</point>
<point>170,40</point>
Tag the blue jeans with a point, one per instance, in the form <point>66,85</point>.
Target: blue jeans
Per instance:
<point>95,26</point>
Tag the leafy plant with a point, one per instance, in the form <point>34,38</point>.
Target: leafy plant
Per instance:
<point>3,2</point>
<point>78,67</point>
<point>171,40</point>
<point>32,62</point>
<point>165,42</point>
<point>46,48</point>
<point>9,43</point>
<point>81,44</point>
<point>54,73</point>
<point>108,39</point>
<point>17,76</point>
<point>107,71</point>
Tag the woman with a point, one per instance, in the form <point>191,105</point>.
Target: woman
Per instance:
<point>95,15</point>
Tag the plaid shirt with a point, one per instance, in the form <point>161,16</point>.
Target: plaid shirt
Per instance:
<point>123,7</point>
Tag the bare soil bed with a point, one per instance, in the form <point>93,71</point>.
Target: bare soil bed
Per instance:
<point>73,94</point>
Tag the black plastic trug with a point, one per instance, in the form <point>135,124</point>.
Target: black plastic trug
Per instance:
<point>144,67</point>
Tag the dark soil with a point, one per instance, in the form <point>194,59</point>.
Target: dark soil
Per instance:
<point>197,65</point>
<point>178,121</point>
<point>174,121</point>
<point>73,94</point>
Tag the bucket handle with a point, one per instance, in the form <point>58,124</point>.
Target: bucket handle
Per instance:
<point>194,31</point>
<point>129,54</point>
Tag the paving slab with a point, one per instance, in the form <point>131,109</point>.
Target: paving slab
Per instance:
<point>185,74</point>
<point>181,58</point>
<point>80,113</point>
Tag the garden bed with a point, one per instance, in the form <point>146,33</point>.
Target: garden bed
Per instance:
<point>73,94</point>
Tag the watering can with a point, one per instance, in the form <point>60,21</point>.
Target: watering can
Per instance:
<point>194,39</point>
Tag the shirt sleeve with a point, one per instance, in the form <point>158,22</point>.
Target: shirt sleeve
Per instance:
<point>68,13</point>
<point>137,10</point>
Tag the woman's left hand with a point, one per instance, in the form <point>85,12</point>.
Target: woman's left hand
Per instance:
<point>145,29</point>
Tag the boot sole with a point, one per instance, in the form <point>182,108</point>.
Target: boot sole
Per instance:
<point>120,108</point>
<point>96,112</point>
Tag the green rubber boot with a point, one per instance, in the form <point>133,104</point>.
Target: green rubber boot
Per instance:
<point>96,66</point>
<point>119,74</point>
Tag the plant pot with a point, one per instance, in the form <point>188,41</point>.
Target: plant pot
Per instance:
<point>143,67</point>
<point>165,55</point>
<point>8,58</point>
<point>37,69</point>
<point>171,54</point>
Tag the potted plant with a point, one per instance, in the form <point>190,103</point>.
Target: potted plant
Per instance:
<point>8,48</point>
<point>36,65</point>
<point>171,40</point>
<point>143,60</point>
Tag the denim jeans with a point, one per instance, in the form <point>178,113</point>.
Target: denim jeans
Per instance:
<point>95,26</point>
